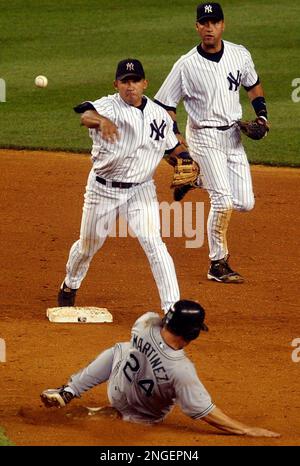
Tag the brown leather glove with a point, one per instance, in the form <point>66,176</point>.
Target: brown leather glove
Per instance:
<point>256,129</point>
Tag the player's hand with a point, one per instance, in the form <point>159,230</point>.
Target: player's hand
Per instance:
<point>259,432</point>
<point>108,129</point>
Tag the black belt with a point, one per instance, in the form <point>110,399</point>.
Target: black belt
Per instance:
<point>115,184</point>
<point>219,128</point>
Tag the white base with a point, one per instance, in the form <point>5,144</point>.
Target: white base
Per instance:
<point>79,315</point>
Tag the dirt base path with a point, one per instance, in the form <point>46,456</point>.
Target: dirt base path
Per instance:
<point>245,359</point>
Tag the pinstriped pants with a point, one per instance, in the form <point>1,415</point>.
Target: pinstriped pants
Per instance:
<point>101,207</point>
<point>226,176</point>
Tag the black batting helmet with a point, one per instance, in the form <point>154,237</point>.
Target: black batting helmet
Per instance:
<point>186,319</point>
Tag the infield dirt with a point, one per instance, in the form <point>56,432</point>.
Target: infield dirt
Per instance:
<point>245,359</point>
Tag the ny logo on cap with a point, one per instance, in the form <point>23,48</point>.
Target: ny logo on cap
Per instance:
<point>129,66</point>
<point>208,9</point>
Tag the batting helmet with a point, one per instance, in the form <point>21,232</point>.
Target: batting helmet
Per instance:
<point>186,319</point>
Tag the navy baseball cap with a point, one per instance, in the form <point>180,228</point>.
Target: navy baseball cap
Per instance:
<point>206,11</point>
<point>130,67</point>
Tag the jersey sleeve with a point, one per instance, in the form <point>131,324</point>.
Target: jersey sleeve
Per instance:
<point>104,107</point>
<point>191,395</point>
<point>249,74</point>
<point>170,92</point>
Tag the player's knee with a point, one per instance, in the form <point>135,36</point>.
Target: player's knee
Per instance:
<point>249,205</point>
<point>222,203</point>
<point>246,205</point>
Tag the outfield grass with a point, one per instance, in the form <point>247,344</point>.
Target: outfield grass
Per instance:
<point>77,44</point>
<point>4,441</point>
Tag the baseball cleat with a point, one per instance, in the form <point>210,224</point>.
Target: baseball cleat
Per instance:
<point>56,397</point>
<point>221,272</point>
<point>66,296</point>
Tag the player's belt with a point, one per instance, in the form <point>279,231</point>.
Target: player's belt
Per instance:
<point>219,128</point>
<point>115,184</point>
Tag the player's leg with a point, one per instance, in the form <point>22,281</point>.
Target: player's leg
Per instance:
<point>215,180</point>
<point>208,147</point>
<point>97,372</point>
<point>99,213</point>
<point>144,220</point>
<point>239,175</point>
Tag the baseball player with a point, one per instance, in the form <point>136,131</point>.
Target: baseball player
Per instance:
<point>151,373</point>
<point>208,80</point>
<point>130,136</point>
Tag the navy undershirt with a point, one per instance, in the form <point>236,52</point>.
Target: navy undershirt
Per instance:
<point>143,104</point>
<point>211,56</point>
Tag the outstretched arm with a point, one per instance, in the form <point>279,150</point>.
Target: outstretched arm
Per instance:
<point>221,421</point>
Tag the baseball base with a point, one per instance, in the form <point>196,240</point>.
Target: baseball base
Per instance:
<point>79,315</point>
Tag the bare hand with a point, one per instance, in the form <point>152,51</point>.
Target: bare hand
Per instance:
<point>109,130</point>
<point>258,432</point>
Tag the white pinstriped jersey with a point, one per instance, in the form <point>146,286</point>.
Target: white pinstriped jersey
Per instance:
<point>144,137</point>
<point>209,89</point>
<point>148,377</point>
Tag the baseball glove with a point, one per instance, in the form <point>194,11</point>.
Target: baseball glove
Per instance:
<point>256,129</point>
<point>186,172</point>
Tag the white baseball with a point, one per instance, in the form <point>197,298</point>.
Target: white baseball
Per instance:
<point>41,81</point>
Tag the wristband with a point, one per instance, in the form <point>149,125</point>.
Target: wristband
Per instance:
<point>264,118</point>
<point>260,107</point>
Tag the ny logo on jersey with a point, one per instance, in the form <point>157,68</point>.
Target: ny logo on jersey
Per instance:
<point>234,81</point>
<point>208,9</point>
<point>158,131</point>
<point>129,66</point>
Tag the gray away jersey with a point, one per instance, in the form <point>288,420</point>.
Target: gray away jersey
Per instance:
<point>144,138</point>
<point>210,90</point>
<point>148,377</point>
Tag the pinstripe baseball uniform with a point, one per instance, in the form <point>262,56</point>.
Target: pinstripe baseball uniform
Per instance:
<point>209,85</point>
<point>146,377</point>
<point>121,182</point>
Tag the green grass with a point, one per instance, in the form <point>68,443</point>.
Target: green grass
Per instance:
<point>77,44</point>
<point>4,441</point>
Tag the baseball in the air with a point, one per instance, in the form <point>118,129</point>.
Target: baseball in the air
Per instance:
<point>41,81</point>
